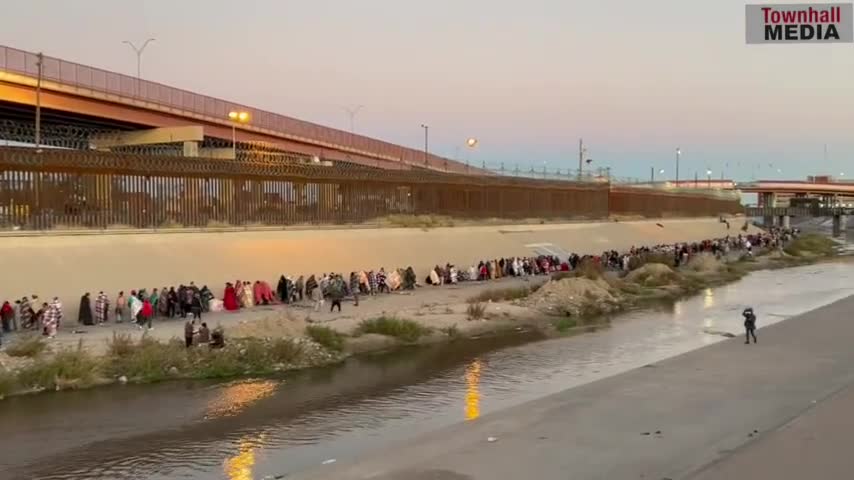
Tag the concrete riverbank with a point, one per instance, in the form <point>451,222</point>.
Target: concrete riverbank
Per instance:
<point>672,419</point>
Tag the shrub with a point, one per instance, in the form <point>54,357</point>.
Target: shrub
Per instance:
<point>120,345</point>
<point>406,330</point>
<point>148,360</point>
<point>69,368</point>
<point>476,311</point>
<point>30,346</point>
<point>285,350</point>
<point>503,294</point>
<point>564,324</point>
<point>811,244</point>
<point>326,336</point>
<point>452,331</point>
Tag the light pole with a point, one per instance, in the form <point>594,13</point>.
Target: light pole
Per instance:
<point>678,155</point>
<point>351,112</point>
<point>138,51</point>
<point>471,143</point>
<point>236,117</point>
<point>426,143</point>
<point>709,178</point>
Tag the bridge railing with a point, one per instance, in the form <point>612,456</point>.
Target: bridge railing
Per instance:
<point>797,211</point>
<point>124,87</point>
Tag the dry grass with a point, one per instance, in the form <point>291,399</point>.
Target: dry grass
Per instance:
<point>326,336</point>
<point>403,329</point>
<point>476,311</point>
<point>29,346</point>
<point>810,245</point>
<point>503,294</point>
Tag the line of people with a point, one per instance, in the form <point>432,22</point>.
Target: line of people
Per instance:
<point>140,307</point>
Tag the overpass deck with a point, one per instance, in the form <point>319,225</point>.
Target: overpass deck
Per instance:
<point>84,90</point>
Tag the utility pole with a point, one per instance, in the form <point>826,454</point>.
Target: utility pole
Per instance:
<point>351,112</point>
<point>678,154</point>
<point>426,143</point>
<point>580,157</point>
<point>39,65</point>
<point>651,175</point>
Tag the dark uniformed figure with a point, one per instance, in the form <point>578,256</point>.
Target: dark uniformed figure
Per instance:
<point>749,325</point>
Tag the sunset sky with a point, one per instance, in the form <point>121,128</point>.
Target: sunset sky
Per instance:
<point>636,79</point>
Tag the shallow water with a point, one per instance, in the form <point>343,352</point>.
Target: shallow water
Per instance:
<point>252,429</point>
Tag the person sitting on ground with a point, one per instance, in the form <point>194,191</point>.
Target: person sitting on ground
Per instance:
<point>217,339</point>
<point>204,334</point>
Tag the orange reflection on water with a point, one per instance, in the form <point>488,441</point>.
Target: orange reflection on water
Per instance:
<point>234,398</point>
<point>708,299</point>
<point>472,391</point>
<point>239,467</point>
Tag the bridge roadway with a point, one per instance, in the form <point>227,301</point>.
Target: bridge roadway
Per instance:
<point>92,95</point>
<point>723,412</point>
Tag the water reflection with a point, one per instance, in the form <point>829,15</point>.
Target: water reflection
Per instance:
<point>240,466</point>
<point>472,390</point>
<point>708,299</point>
<point>237,397</point>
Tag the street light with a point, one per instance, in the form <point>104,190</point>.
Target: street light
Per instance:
<point>426,143</point>
<point>236,117</point>
<point>709,177</point>
<point>138,51</point>
<point>678,154</point>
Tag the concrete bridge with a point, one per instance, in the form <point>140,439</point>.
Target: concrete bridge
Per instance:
<point>781,216</point>
<point>142,112</point>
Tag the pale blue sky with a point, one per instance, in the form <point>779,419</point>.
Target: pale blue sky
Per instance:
<point>634,78</point>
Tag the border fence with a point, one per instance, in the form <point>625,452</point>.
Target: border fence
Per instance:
<point>73,189</point>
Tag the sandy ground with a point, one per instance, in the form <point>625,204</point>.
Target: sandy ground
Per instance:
<point>437,307</point>
<point>68,266</point>
<point>669,420</point>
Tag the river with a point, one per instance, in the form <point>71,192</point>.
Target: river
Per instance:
<point>258,429</point>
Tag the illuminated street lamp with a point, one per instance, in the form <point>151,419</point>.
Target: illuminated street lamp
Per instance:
<point>709,177</point>
<point>471,143</point>
<point>236,117</point>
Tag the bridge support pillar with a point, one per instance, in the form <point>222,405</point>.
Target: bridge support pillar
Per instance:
<point>784,221</point>
<point>840,223</point>
<point>768,221</point>
<point>191,149</point>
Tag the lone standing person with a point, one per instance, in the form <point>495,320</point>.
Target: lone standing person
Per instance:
<point>749,325</point>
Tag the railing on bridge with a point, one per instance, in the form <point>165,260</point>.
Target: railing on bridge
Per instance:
<point>797,211</point>
<point>90,80</point>
<point>56,189</point>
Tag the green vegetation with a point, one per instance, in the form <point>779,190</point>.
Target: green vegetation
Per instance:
<point>68,368</point>
<point>8,383</point>
<point>476,311</point>
<point>452,331</point>
<point>503,294</point>
<point>30,346</point>
<point>810,245</point>
<point>326,336</point>
<point>564,324</point>
<point>403,329</point>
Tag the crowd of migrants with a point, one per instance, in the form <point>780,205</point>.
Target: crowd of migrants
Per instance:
<point>190,302</point>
